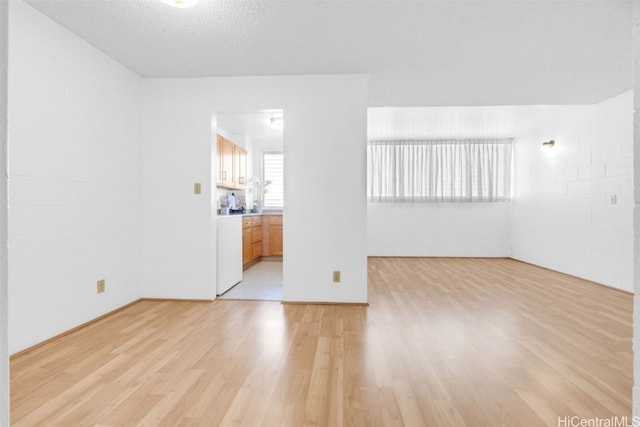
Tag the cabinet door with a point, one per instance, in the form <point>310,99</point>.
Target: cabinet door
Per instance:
<point>239,167</point>
<point>257,234</point>
<point>257,249</point>
<point>227,162</point>
<point>275,239</point>
<point>247,222</point>
<point>247,245</point>
<point>219,163</point>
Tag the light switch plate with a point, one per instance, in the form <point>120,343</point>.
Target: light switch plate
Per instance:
<point>197,188</point>
<point>101,286</point>
<point>336,277</point>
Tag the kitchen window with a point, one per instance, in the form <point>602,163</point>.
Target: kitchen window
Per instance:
<point>273,170</point>
<point>447,170</point>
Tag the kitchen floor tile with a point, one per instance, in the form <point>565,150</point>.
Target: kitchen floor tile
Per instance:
<point>262,281</point>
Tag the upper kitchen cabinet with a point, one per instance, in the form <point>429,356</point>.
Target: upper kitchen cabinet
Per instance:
<point>232,164</point>
<point>239,166</point>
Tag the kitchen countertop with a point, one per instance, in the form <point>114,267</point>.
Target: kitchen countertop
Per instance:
<point>276,213</point>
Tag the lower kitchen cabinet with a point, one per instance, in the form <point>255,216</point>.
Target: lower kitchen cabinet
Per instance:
<point>261,236</point>
<point>257,250</point>
<point>257,238</point>
<point>251,240</point>
<point>272,235</point>
<point>247,241</point>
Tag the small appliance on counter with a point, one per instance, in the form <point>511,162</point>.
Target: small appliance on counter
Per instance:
<point>229,205</point>
<point>231,201</point>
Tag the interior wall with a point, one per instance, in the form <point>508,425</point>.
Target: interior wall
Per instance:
<point>438,229</point>
<point>4,324</point>
<point>442,229</point>
<point>324,146</point>
<point>636,208</point>
<point>572,212</point>
<point>75,204</point>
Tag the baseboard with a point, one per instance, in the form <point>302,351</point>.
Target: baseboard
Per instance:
<point>176,300</point>
<point>513,259</point>
<point>575,277</point>
<point>72,330</point>
<point>438,257</point>
<point>358,304</point>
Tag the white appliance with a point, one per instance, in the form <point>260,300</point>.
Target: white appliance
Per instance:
<point>229,252</point>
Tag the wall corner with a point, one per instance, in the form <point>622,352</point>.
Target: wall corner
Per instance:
<point>636,208</point>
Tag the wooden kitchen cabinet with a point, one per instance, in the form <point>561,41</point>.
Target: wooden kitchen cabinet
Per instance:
<point>257,238</point>
<point>251,240</point>
<point>272,235</point>
<point>239,167</point>
<point>275,240</point>
<point>226,162</point>
<point>232,164</point>
<point>257,229</point>
<point>219,151</point>
<point>257,250</point>
<point>247,241</point>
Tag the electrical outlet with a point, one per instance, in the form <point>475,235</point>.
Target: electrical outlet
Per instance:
<point>101,286</point>
<point>336,277</point>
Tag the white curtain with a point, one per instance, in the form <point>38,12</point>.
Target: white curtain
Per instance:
<point>470,170</point>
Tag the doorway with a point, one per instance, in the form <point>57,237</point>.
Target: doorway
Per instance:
<point>258,199</point>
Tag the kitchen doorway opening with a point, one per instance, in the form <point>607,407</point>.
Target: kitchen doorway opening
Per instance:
<point>251,152</point>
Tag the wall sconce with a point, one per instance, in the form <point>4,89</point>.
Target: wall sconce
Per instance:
<point>277,122</point>
<point>548,145</point>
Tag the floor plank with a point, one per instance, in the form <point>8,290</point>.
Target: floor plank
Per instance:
<point>444,341</point>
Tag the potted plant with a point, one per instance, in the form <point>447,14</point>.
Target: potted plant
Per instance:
<point>259,190</point>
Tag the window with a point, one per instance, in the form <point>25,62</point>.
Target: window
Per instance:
<point>273,170</point>
<point>439,170</point>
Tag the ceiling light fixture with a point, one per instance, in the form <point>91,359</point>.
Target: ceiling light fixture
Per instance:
<point>277,122</point>
<point>183,4</point>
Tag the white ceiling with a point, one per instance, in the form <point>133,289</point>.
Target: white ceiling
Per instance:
<point>417,53</point>
<point>254,125</point>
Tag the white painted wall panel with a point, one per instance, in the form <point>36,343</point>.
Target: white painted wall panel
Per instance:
<point>4,317</point>
<point>635,150</point>
<point>324,148</point>
<point>438,229</point>
<point>562,215</point>
<point>75,205</point>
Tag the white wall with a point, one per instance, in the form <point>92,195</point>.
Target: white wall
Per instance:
<point>75,204</point>
<point>562,214</point>
<point>636,207</point>
<point>438,229</point>
<point>442,229</point>
<point>324,145</point>
<point>4,328</point>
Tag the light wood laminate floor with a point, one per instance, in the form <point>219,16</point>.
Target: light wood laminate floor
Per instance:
<point>444,342</point>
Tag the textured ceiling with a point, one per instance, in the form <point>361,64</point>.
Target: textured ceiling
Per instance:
<point>417,53</point>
